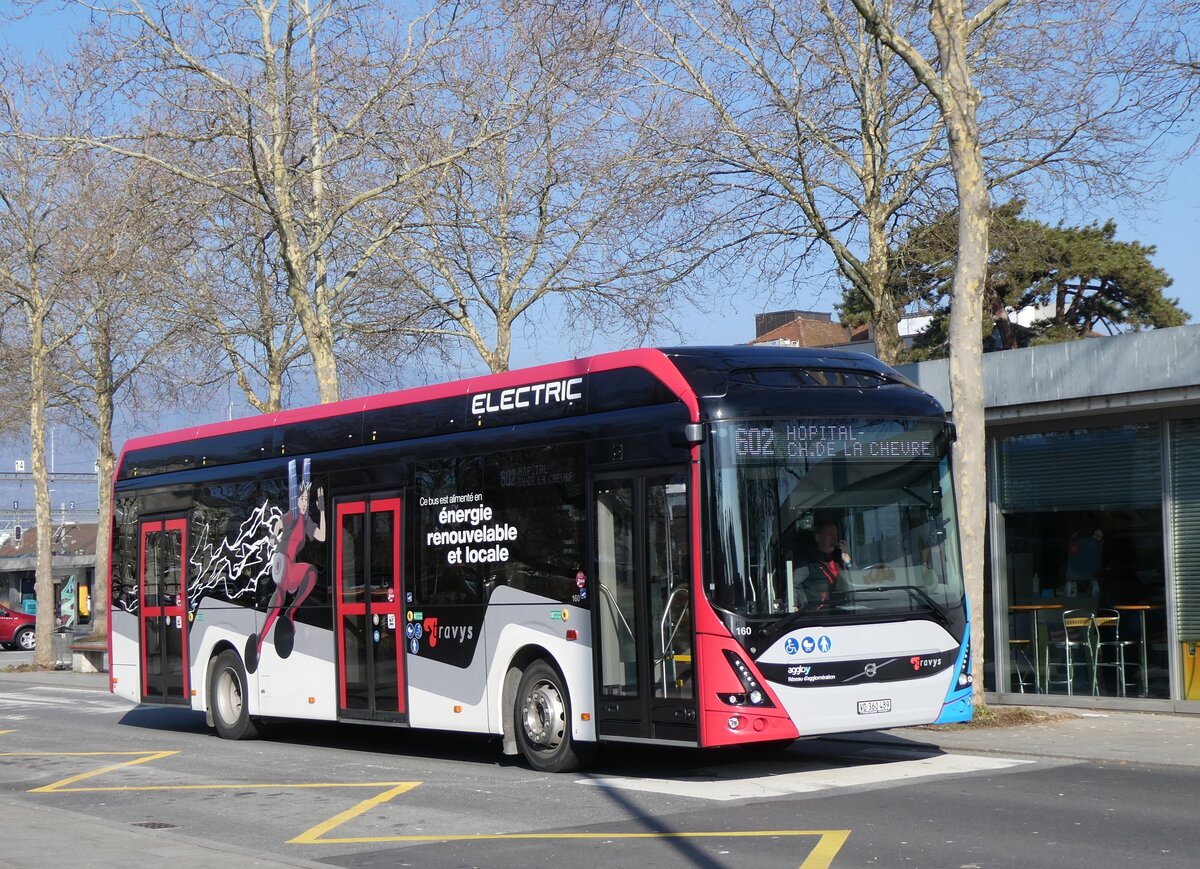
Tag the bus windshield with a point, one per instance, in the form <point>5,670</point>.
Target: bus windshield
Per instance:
<point>834,516</point>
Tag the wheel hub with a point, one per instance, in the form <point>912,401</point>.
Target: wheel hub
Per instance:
<point>544,714</point>
<point>230,697</point>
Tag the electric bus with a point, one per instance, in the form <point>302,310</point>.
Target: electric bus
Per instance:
<point>620,548</point>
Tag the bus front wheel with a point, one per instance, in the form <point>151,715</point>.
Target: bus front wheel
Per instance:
<point>228,698</point>
<point>542,713</point>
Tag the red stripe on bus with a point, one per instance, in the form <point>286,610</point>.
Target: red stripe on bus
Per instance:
<point>653,361</point>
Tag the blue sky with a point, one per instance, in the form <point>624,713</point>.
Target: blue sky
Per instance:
<point>1172,223</point>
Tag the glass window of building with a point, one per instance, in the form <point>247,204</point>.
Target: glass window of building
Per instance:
<point>1080,546</point>
<point>1185,528</point>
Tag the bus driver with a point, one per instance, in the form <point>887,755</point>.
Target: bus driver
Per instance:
<point>814,580</point>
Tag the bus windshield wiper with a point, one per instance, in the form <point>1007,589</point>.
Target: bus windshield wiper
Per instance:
<point>915,592</point>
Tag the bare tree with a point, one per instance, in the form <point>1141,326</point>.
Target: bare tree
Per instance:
<point>818,134</point>
<point>39,188</point>
<point>1181,19</point>
<point>578,216</point>
<point>308,113</point>
<point>113,311</point>
<point>822,136</point>
<point>14,356</point>
<point>238,306</point>
<point>1102,61</point>
<point>948,77</point>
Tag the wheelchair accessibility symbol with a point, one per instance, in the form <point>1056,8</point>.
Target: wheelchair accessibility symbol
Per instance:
<point>791,646</point>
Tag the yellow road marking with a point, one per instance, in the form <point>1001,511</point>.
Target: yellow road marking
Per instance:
<point>138,757</point>
<point>829,842</point>
<point>313,836</point>
<point>827,848</point>
<point>227,787</point>
<point>2,732</point>
<point>839,836</point>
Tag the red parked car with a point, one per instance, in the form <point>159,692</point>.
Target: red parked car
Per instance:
<point>16,630</point>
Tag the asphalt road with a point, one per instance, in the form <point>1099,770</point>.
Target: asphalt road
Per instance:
<point>359,796</point>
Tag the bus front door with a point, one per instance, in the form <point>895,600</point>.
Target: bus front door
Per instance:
<point>643,620</point>
<point>370,624</point>
<point>163,611</point>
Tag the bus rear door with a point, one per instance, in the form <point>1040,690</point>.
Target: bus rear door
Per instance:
<point>370,624</point>
<point>163,611</point>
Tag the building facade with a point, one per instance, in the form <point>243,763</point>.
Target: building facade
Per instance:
<point>1092,594</point>
<point>73,563</point>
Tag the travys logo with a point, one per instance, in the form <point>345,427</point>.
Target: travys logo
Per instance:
<point>918,662</point>
<point>459,633</point>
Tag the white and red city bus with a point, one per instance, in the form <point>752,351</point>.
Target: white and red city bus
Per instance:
<point>617,548</point>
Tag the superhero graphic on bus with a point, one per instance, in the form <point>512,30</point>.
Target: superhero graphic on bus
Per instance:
<point>286,538</point>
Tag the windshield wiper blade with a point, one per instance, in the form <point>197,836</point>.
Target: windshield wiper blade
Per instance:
<point>838,601</point>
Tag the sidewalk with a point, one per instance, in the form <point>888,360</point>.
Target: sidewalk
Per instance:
<point>1100,736</point>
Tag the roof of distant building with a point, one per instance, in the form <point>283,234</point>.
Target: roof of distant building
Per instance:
<point>805,332</point>
<point>69,539</point>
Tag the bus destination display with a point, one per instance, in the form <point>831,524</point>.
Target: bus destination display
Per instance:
<point>801,440</point>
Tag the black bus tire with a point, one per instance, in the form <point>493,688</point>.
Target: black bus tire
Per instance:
<point>229,698</point>
<point>542,720</point>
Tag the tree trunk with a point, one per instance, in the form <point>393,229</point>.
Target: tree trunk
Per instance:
<point>885,313</point>
<point>43,656</point>
<point>949,28</point>
<point>102,581</point>
<point>325,366</point>
<point>499,357</point>
<point>318,331</point>
<point>888,344</point>
<point>274,391</point>
<point>1008,335</point>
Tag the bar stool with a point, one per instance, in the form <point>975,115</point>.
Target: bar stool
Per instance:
<point>1107,625</point>
<point>1027,677</point>
<point>1076,648</point>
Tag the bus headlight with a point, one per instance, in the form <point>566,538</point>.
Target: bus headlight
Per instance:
<point>752,693</point>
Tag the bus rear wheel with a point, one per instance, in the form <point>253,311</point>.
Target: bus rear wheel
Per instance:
<point>228,698</point>
<point>542,719</point>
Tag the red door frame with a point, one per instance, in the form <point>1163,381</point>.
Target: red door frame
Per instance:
<point>383,608</point>
<point>178,609</point>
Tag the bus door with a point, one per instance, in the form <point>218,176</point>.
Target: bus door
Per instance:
<point>370,624</point>
<point>163,611</point>
<point>646,682</point>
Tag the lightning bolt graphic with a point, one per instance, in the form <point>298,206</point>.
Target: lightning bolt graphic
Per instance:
<point>234,566</point>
